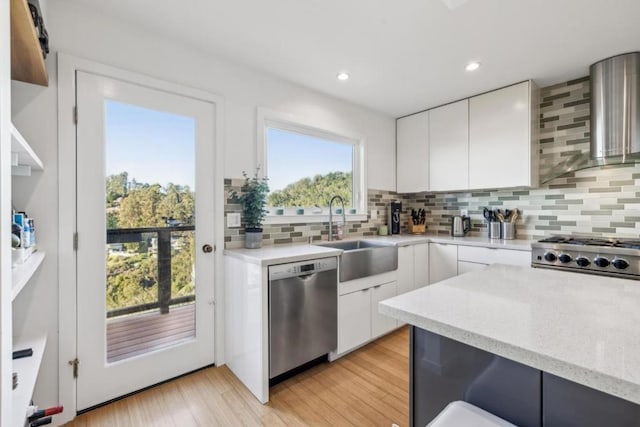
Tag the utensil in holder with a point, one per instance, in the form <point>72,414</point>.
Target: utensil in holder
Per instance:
<point>494,230</point>
<point>508,230</point>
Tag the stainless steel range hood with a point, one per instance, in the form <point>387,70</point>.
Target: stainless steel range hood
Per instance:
<point>615,116</point>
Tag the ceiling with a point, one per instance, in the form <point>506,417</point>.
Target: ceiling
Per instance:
<point>403,55</point>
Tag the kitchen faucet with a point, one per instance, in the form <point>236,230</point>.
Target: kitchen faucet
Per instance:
<point>344,218</point>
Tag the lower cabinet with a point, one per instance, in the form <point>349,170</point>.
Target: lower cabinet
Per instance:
<point>354,319</point>
<point>381,324</point>
<point>358,317</point>
<point>413,267</point>
<point>443,261</point>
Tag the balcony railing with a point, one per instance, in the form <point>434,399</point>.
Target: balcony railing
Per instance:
<point>137,235</point>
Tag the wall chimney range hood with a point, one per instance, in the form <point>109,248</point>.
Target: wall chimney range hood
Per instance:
<point>615,116</point>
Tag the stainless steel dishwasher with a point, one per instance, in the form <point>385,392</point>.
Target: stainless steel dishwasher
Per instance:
<point>303,313</point>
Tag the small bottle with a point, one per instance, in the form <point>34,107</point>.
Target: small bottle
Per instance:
<point>26,235</point>
<point>32,229</point>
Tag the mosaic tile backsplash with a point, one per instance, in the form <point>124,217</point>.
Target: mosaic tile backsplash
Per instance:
<point>597,201</point>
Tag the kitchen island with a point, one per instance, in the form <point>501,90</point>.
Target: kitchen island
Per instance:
<point>573,340</point>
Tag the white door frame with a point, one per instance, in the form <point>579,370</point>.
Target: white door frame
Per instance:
<point>67,280</point>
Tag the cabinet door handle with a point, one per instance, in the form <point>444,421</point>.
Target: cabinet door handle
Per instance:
<point>376,287</point>
<point>364,290</point>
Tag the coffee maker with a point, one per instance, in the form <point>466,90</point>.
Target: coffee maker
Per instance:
<point>394,217</point>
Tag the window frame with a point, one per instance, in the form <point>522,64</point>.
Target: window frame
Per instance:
<point>287,122</point>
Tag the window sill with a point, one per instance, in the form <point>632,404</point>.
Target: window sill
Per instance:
<point>310,218</point>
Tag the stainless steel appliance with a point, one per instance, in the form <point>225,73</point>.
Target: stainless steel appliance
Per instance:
<point>395,208</point>
<point>303,313</point>
<point>460,225</point>
<point>608,257</point>
<point>363,258</point>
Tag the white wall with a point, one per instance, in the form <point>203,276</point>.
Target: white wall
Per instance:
<point>77,31</point>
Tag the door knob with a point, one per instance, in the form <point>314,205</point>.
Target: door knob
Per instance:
<point>207,249</point>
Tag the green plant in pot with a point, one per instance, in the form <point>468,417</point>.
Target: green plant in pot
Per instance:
<point>253,199</point>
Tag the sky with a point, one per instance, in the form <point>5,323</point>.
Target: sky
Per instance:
<point>291,156</point>
<point>152,146</point>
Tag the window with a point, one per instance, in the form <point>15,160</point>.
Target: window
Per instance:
<point>307,166</point>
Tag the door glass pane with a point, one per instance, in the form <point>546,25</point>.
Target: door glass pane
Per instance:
<point>150,217</point>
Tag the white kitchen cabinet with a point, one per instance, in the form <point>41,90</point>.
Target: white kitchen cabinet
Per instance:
<point>503,150</point>
<point>381,324</point>
<point>354,319</point>
<point>449,147</point>
<point>420,265</point>
<point>443,261</point>
<point>406,280</point>
<point>481,255</point>
<point>412,148</point>
<point>466,267</point>
<point>413,267</point>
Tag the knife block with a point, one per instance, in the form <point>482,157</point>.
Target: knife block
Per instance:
<point>417,228</point>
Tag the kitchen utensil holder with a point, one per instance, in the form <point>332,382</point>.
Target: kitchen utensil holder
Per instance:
<point>417,228</point>
<point>494,230</point>
<point>508,230</point>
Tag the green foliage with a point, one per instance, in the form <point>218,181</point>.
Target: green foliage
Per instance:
<point>316,191</point>
<point>116,187</point>
<point>253,200</point>
<point>132,276</point>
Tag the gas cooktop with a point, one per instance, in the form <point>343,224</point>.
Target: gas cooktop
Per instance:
<point>609,257</point>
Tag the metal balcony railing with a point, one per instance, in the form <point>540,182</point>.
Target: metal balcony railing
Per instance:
<point>137,235</point>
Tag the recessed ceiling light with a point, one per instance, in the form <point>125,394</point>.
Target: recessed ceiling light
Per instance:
<point>472,66</point>
<point>343,76</point>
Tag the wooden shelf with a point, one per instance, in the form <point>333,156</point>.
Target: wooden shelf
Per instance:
<point>27,62</point>
<point>27,369</point>
<point>23,158</point>
<point>22,273</point>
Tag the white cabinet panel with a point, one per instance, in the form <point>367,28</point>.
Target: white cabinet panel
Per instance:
<point>406,281</point>
<point>511,257</point>
<point>466,267</point>
<point>443,262</point>
<point>420,265</point>
<point>449,147</point>
<point>381,324</point>
<point>354,319</point>
<point>412,148</point>
<point>493,255</point>
<point>500,138</point>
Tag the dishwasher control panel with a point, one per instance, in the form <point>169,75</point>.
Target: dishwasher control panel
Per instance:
<point>301,268</point>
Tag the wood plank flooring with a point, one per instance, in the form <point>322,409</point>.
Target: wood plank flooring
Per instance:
<point>369,387</point>
<point>131,335</point>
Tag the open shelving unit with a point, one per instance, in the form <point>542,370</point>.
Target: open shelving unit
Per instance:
<point>23,158</point>
<point>21,273</point>
<point>27,369</point>
<point>27,62</point>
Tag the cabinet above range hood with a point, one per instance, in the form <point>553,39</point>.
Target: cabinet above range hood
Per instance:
<point>615,116</point>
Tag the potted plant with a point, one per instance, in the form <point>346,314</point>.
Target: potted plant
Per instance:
<point>253,199</point>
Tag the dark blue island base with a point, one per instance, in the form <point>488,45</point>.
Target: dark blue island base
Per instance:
<point>443,370</point>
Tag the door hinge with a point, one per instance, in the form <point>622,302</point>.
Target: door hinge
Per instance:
<point>75,114</point>
<point>75,362</point>
<point>75,241</point>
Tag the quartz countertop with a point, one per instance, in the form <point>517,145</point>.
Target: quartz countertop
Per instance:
<point>278,254</point>
<point>581,327</point>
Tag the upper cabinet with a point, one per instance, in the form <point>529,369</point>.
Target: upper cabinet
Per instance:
<point>27,62</point>
<point>502,145</point>
<point>412,151</point>
<point>488,141</point>
<point>449,147</point>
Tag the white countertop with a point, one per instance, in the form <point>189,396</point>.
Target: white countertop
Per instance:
<point>581,327</point>
<point>485,242</point>
<point>277,254</point>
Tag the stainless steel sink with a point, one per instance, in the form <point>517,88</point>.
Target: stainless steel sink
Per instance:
<point>362,258</point>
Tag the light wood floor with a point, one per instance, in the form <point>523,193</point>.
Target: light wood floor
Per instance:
<point>368,387</point>
<point>128,336</point>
